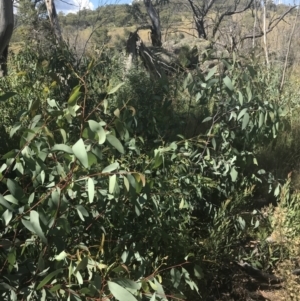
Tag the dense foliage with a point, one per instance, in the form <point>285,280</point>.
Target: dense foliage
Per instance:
<point>119,185</point>
<point>108,188</point>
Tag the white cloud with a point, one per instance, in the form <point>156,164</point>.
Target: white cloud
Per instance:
<point>72,6</point>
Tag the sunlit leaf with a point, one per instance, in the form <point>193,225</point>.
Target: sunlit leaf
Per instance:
<point>233,174</point>
<point>75,94</point>
<point>111,167</point>
<point>91,190</point>
<point>119,292</point>
<point>62,147</point>
<point>112,183</point>
<point>80,153</point>
<point>228,83</point>
<point>35,222</point>
<point>97,128</point>
<point>115,89</point>
<point>245,122</point>
<point>61,256</point>
<point>4,203</point>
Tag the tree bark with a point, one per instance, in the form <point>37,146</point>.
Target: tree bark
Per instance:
<point>156,28</point>
<point>6,30</point>
<point>265,34</point>
<point>255,22</point>
<point>288,51</point>
<point>54,19</point>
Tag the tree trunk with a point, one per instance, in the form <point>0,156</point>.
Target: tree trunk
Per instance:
<point>265,34</point>
<point>6,30</point>
<point>156,28</point>
<point>288,50</point>
<point>54,19</point>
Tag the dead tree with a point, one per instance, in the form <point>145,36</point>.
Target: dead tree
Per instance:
<point>259,32</point>
<point>155,28</point>
<point>202,9</point>
<point>54,19</point>
<point>6,30</point>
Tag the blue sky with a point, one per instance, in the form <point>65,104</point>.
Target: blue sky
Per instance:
<point>74,5</point>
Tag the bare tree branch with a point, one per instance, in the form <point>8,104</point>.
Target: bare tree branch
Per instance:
<point>271,26</point>
<point>230,13</point>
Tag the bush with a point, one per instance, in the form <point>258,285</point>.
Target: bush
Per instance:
<point>103,197</point>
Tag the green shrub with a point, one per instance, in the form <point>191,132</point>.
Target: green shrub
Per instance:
<point>104,197</point>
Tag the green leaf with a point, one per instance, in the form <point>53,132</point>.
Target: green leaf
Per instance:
<point>211,73</point>
<point>242,222</point>
<point>10,154</point>
<point>228,83</point>
<point>128,283</point>
<point>15,189</point>
<point>160,291</point>
<point>48,278</point>
<point>81,212</point>
<point>119,292</point>
<point>7,95</point>
<point>80,153</point>
<point>111,167</point>
<point>75,94</point>
<point>79,279</point>
<point>115,142</point>
<point>112,183</point>
<point>61,256</point>
<point>115,89</point>
<point>198,272</point>
<point>175,277</point>
<point>97,128</point>
<point>63,148</point>
<point>15,128</point>
<point>241,100</point>
<point>153,298</point>
<point>4,203</point>
<point>261,119</point>
<point>233,174</point>
<point>206,119</point>
<point>35,222</point>
<point>126,183</point>
<point>242,113</point>
<point>28,225</point>
<point>55,288</point>
<point>91,190</point>
<point>82,264</point>
<point>245,121</point>
<point>7,216</point>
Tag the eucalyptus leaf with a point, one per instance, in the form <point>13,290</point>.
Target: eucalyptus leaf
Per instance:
<point>91,190</point>
<point>97,128</point>
<point>245,122</point>
<point>62,147</point>
<point>228,83</point>
<point>119,292</point>
<point>115,142</point>
<point>80,153</point>
<point>233,174</point>
<point>48,278</point>
<point>111,167</point>
<point>35,222</point>
<point>115,89</point>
